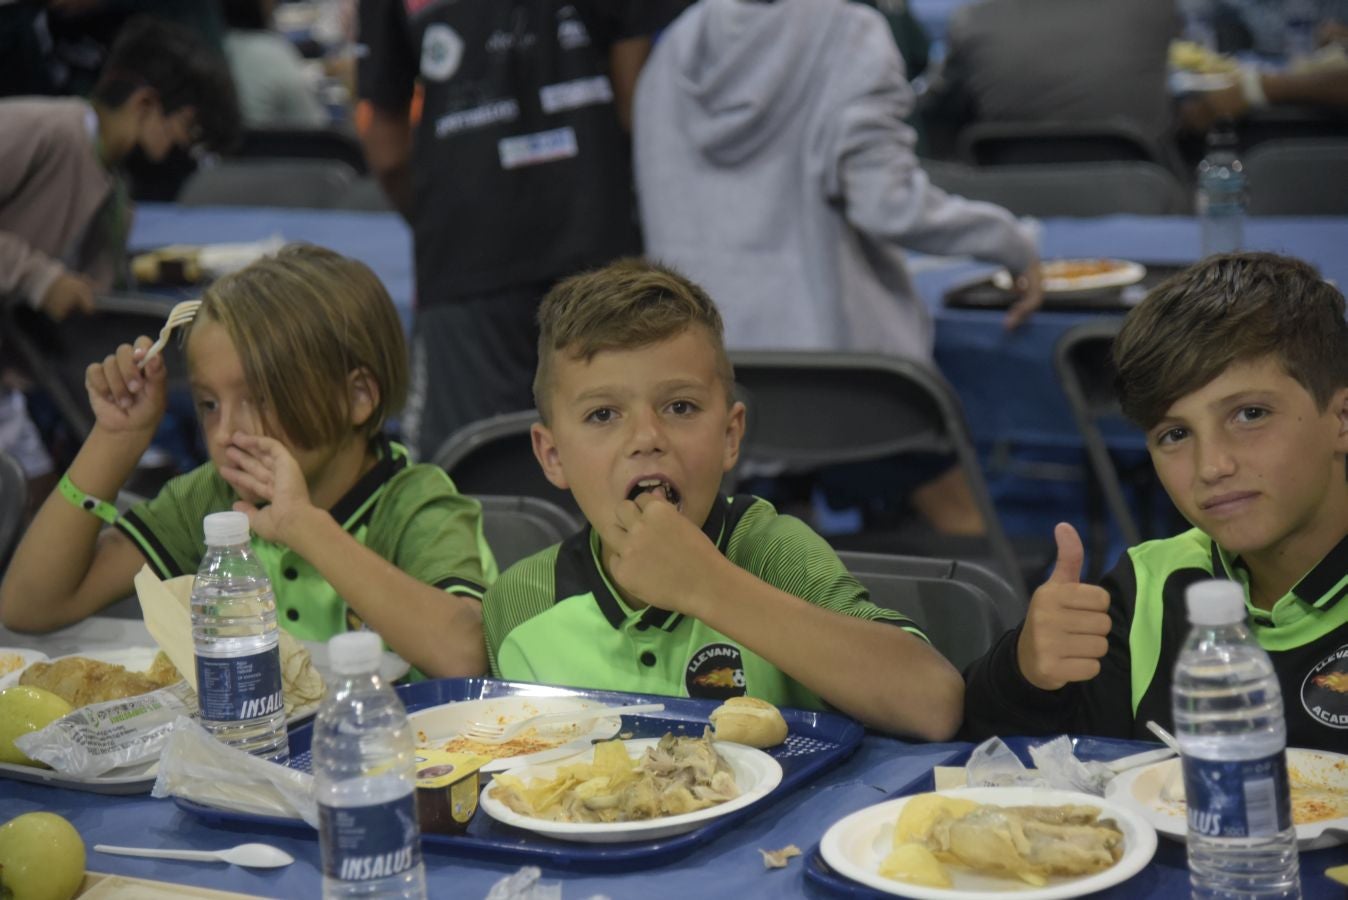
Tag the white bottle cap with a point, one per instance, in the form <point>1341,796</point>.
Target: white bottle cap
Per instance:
<point>225,528</point>
<point>1215,602</point>
<point>355,652</point>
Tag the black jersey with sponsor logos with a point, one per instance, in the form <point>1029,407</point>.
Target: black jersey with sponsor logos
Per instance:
<point>1305,634</point>
<point>521,172</point>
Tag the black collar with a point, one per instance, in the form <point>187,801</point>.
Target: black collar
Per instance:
<point>1322,587</point>
<point>356,505</point>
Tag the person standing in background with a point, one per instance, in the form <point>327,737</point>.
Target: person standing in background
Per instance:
<point>517,173</point>
<point>274,90</point>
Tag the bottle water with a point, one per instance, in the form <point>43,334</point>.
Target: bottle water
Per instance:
<point>1233,739</point>
<point>365,780</point>
<point>237,643</point>
<point>1221,193</point>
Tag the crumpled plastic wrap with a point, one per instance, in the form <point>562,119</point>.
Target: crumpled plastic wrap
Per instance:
<point>197,767</point>
<point>992,764</point>
<point>98,738</point>
<point>524,885</point>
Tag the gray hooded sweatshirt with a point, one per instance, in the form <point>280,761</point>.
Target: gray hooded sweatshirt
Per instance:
<point>774,168</point>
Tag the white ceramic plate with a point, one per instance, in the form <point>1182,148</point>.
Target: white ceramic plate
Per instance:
<point>1141,790</point>
<point>391,665</point>
<point>1122,274</point>
<point>756,774</point>
<point>13,660</point>
<point>438,724</point>
<point>855,846</point>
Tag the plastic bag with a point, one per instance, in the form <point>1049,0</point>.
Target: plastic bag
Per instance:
<point>992,764</point>
<point>98,738</point>
<point>197,767</point>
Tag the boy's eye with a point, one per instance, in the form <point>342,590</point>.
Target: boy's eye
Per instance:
<point>1171,436</point>
<point>601,416</point>
<point>1251,414</point>
<point>206,406</point>
<point>683,407</point>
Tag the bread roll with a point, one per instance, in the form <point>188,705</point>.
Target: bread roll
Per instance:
<point>748,720</point>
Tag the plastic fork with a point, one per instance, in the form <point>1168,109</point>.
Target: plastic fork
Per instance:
<point>181,314</point>
<point>491,733</point>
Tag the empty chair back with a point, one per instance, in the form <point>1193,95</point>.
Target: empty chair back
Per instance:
<point>815,409</point>
<point>1301,177</point>
<point>517,527</point>
<point>364,194</point>
<point>13,501</point>
<point>1019,143</point>
<point>963,608</point>
<point>289,183</point>
<point>1067,189</point>
<point>496,456</point>
<point>303,143</point>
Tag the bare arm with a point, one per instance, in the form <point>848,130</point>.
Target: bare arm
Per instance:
<point>874,671</point>
<point>64,570</point>
<point>625,61</point>
<point>387,139</point>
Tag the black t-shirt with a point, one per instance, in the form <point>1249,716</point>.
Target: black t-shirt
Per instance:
<point>521,172</point>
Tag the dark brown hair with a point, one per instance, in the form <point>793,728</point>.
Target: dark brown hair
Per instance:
<point>628,304</point>
<point>302,321</point>
<point>1226,309</point>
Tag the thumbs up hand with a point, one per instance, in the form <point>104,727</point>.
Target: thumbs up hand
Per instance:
<point>1066,630</point>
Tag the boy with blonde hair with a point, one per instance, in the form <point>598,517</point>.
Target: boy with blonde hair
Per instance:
<point>1237,369</point>
<point>296,363</point>
<point>674,588</point>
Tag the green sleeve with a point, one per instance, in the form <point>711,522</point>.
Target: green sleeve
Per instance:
<point>167,528</point>
<point>526,589</point>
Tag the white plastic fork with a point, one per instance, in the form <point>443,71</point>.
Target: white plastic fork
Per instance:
<point>181,314</point>
<point>491,733</point>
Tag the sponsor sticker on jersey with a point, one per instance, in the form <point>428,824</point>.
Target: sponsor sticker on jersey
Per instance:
<point>566,95</point>
<point>1324,693</point>
<point>716,671</point>
<point>441,52</point>
<point>492,113</point>
<point>532,149</point>
<point>571,32</point>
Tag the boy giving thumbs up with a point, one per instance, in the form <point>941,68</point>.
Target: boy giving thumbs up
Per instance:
<point>1237,371</point>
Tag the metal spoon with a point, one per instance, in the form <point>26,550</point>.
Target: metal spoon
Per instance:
<point>253,856</point>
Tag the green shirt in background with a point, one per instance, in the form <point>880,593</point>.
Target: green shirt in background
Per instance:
<point>411,515</point>
<point>555,617</point>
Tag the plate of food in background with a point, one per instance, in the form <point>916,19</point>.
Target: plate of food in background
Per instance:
<point>961,843</point>
<point>633,790</point>
<point>1072,275</point>
<point>443,727</point>
<point>1318,781</point>
<point>13,660</point>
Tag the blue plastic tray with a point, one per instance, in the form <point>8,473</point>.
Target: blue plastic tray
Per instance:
<point>1165,877</point>
<point>818,741</point>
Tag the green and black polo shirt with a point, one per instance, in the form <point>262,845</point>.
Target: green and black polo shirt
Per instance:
<point>1305,634</point>
<point>411,515</point>
<point>556,618</point>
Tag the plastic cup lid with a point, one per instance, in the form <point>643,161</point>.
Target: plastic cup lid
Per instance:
<point>225,528</point>
<point>355,652</point>
<point>1215,602</point>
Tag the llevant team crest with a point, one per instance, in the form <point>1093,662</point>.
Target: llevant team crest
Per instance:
<point>716,671</point>
<point>1324,693</point>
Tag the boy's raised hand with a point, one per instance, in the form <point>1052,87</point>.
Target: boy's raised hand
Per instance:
<point>658,555</point>
<point>263,471</point>
<point>1066,630</point>
<point>124,397</point>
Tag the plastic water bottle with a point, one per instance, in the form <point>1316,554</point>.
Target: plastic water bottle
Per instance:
<point>237,643</point>
<point>365,780</point>
<point>1233,739</point>
<point>1221,193</point>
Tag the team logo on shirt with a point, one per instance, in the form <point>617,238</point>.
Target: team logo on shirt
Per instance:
<point>715,671</point>
<point>441,52</point>
<point>571,31</point>
<point>1324,693</point>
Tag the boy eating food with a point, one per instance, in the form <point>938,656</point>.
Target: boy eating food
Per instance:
<point>674,588</point>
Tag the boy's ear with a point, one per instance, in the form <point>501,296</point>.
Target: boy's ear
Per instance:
<point>545,451</point>
<point>1339,404</point>
<point>362,396</point>
<point>734,435</point>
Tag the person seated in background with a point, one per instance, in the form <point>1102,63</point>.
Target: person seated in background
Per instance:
<point>774,167</point>
<point>296,363</point>
<point>1261,25</point>
<point>674,588</point>
<point>1055,61</point>
<point>1237,369</point>
<point>274,90</point>
<point>64,208</point>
